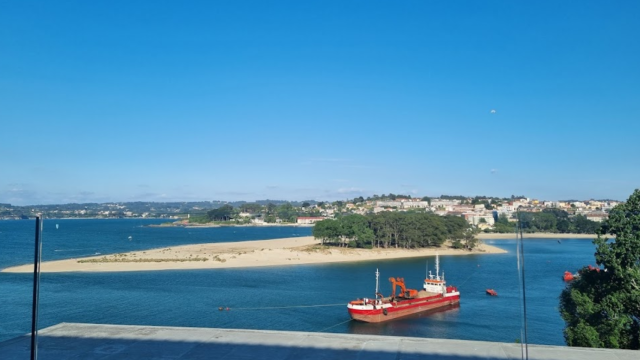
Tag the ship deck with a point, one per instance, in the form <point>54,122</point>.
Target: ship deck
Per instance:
<point>105,342</point>
<point>421,294</point>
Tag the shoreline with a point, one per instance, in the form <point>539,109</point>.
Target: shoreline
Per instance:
<point>206,226</point>
<point>303,250</point>
<point>507,236</point>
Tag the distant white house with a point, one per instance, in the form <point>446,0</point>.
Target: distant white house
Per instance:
<point>475,219</point>
<point>307,220</point>
<point>597,216</point>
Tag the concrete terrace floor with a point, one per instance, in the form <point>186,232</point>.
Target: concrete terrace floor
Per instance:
<point>93,341</point>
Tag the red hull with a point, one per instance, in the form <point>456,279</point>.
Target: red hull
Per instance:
<point>404,308</point>
<point>568,276</point>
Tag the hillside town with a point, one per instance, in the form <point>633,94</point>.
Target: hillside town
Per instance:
<point>482,212</point>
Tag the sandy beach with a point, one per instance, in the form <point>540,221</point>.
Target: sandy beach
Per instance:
<point>277,252</point>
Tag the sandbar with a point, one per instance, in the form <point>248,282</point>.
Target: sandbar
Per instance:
<point>276,252</point>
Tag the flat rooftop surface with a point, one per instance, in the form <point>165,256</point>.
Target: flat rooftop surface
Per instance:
<point>94,341</point>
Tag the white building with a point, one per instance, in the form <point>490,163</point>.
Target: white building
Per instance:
<point>308,220</point>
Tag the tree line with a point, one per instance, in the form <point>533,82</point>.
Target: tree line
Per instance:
<point>270,212</point>
<point>396,229</point>
<point>549,220</point>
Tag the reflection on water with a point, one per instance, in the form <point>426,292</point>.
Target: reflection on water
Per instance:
<point>406,324</point>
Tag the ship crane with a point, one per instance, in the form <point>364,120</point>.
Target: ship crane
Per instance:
<point>408,293</point>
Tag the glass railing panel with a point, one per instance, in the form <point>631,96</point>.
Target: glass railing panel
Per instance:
<point>16,248</point>
<point>298,295</point>
<point>295,297</point>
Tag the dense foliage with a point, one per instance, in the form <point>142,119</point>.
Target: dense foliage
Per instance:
<point>602,307</point>
<point>396,229</point>
<point>222,213</point>
<point>549,220</point>
<point>286,212</point>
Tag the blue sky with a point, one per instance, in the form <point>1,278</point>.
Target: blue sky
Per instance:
<point>245,100</point>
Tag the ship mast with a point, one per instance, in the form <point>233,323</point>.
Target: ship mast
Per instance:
<point>426,270</point>
<point>377,277</point>
<point>437,267</point>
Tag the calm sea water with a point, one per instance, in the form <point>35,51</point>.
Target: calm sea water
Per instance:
<point>299,298</point>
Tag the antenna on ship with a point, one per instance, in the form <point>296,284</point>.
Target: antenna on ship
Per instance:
<point>377,277</point>
<point>426,270</point>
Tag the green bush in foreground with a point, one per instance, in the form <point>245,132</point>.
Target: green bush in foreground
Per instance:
<point>602,307</point>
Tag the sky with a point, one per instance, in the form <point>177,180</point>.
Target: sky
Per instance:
<point>111,101</point>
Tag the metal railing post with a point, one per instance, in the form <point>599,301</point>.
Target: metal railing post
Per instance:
<point>36,289</point>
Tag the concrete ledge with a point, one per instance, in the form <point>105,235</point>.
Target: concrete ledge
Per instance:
<point>96,341</point>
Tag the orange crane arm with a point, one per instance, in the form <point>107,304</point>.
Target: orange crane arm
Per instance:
<point>400,282</point>
<point>393,286</point>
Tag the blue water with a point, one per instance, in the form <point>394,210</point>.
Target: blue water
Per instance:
<point>192,297</point>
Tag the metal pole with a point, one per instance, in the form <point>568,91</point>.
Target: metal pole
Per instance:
<point>36,290</point>
<point>525,341</point>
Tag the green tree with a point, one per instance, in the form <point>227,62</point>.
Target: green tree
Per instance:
<point>251,208</point>
<point>271,208</point>
<point>558,213</point>
<point>456,226</point>
<point>582,225</point>
<point>470,238</point>
<point>527,221</point>
<point>602,307</point>
<point>287,213</point>
<point>545,222</point>
<point>564,226</point>
<point>503,225</point>
<point>457,244</point>
<point>328,231</point>
<point>222,213</point>
<point>356,231</point>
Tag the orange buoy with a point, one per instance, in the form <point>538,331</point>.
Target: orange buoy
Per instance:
<point>568,276</point>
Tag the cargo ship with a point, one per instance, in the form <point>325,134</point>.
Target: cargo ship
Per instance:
<point>434,294</point>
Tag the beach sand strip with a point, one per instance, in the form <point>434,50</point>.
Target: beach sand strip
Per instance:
<point>276,252</point>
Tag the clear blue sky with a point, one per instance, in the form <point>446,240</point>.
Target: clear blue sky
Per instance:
<point>243,100</point>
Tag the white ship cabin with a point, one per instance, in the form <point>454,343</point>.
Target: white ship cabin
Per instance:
<point>435,284</point>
